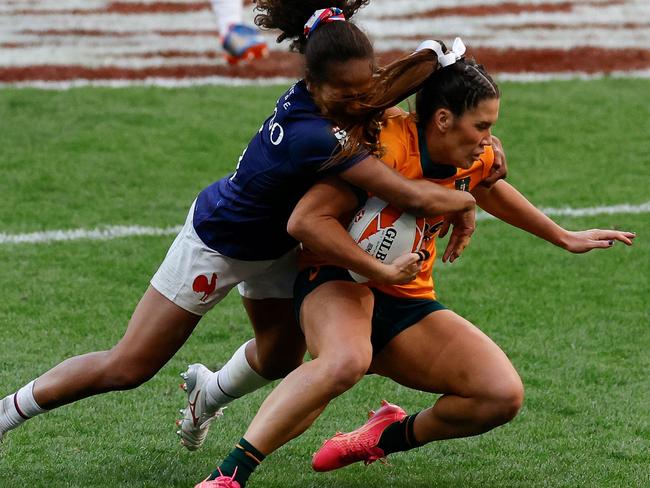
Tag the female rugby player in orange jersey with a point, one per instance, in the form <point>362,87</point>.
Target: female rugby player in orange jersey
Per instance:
<point>402,332</point>
<point>415,340</point>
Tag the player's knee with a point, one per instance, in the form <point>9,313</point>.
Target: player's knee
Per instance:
<point>342,377</point>
<point>505,402</point>
<point>346,370</point>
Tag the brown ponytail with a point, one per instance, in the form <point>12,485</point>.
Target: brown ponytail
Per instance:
<point>458,87</point>
<point>392,84</point>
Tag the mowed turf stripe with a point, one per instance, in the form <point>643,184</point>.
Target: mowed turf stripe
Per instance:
<point>116,231</point>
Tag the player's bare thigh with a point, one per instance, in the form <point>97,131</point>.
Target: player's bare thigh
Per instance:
<point>336,319</point>
<point>444,353</point>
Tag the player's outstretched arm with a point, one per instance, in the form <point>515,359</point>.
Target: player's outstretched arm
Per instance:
<point>314,222</point>
<point>585,240</point>
<point>504,202</point>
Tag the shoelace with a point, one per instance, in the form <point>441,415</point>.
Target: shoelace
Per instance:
<point>227,482</point>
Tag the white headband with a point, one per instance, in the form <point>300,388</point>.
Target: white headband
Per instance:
<point>454,54</point>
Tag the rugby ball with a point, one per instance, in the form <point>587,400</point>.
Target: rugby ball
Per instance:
<point>385,232</point>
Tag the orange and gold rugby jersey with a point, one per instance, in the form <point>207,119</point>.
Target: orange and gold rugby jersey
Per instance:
<point>399,136</point>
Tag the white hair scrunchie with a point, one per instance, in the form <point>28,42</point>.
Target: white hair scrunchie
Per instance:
<point>455,53</point>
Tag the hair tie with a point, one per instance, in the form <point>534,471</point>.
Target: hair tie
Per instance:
<point>455,53</point>
<point>323,16</point>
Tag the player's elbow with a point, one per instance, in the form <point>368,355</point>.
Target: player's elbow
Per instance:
<point>296,226</point>
<point>303,228</point>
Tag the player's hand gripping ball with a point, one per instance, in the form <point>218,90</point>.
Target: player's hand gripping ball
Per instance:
<point>385,232</point>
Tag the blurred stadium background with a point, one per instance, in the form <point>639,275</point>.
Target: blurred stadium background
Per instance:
<point>81,165</point>
<point>167,41</point>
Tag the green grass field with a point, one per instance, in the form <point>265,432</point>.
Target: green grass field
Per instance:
<point>576,327</point>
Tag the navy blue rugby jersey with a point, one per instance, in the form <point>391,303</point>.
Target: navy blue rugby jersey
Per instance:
<point>244,215</point>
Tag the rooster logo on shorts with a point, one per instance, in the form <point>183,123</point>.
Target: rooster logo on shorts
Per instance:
<point>201,285</point>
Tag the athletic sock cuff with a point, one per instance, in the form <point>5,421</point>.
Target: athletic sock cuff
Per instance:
<point>251,451</point>
<point>399,436</point>
<point>25,403</point>
<point>410,434</point>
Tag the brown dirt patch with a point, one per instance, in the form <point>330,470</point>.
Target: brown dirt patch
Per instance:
<point>587,60</point>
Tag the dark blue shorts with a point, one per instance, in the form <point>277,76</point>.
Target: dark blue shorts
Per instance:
<point>391,315</point>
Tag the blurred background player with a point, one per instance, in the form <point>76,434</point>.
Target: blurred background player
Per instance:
<point>240,42</point>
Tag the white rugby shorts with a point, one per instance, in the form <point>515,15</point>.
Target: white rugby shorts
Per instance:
<point>196,278</point>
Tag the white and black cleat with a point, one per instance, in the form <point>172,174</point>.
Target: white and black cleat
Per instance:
<point>197,417</point>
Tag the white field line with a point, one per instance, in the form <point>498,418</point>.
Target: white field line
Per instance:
<point>98,234</point>
<point>624,208</point>
<point>116,231</point>
<point>570,75</point>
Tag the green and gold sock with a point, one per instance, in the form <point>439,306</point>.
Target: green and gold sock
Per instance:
<point>241,462</point>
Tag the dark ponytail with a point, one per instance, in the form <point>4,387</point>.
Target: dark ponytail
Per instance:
<point>391,85</point>
<point>457,87</point>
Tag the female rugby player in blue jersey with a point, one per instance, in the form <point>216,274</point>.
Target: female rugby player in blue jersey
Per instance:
<point>235,233</point>
<point>324,39</point>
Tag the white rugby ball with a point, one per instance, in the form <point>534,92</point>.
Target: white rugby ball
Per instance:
<point>385,232</point>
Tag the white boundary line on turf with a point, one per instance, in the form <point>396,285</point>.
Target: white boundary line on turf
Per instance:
<point>98,234</point>
<point>116,231</point>
<point>227,81</point>
<point>623,208</point>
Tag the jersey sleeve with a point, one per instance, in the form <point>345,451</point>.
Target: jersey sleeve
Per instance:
<point>314,144</point>
<point>488,160</point>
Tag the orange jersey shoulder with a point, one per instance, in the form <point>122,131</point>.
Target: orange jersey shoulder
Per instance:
<point>399,140</point>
